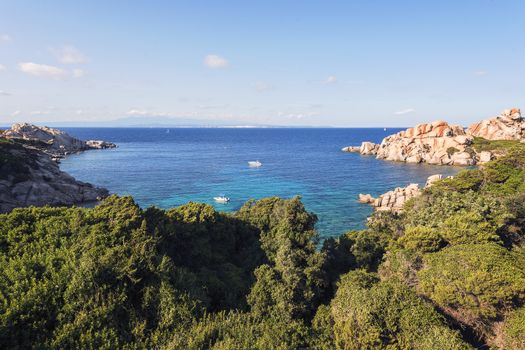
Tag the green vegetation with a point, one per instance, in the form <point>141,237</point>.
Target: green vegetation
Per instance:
<point>480,144</point>
<point>452,150</point>
<point>447,273</point>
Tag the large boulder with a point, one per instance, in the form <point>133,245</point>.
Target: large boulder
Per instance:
<point>509,125</point>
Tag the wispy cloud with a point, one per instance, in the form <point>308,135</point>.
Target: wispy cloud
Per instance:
<point>2,67</point>
<point>330,80</point>
<point>261,86</point>
<point>40,113</point>
<point>15,113</point>
<point>297,116</point>
<point>4,38</point>
<point>78,73</point>
<point>480,72</point>
<point>42,70</point>
<point>215,61</point>
<point>405,111</point>
<point>5,93</point>
<point>69,55</point>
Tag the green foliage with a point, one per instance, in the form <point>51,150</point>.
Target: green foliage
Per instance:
<point>476,281</point>
<point>514,330</point>
<point>234,330</point>
<point>480,144</point>
<point>452,150</point>
<point>370,314</point>
<point>292,282</point>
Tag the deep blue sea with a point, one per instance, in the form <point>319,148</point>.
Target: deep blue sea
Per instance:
<point>169,167</point>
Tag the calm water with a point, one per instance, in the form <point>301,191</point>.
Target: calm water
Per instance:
<point>168,169</point>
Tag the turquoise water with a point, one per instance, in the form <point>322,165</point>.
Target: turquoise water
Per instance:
<point>168,169</point>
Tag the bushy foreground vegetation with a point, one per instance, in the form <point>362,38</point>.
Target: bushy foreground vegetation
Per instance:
<point>448,273</point>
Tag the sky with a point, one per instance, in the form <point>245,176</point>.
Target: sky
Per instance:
<point>362,63</point>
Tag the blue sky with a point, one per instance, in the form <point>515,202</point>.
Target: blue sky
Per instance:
<point>327,63</point>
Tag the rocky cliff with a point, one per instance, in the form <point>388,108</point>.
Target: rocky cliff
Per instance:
<point>29,176</point>
<point>444,144</point>
<point>509,125</point>
<point>54,142</point>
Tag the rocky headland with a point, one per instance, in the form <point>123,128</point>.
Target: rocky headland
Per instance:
<point>30,175</point>
<point>56,143</point>
<point>444,144</point>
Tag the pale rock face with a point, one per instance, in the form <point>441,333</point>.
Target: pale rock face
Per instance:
<point>432,179</point>
<point>365,198</point>
<point>428,143</point>
<point>368,148</point>
<point>54,142</point>
<point>485,157</point>
<point>509,125</point>
<point>351,149</point>
<point>395,199</point>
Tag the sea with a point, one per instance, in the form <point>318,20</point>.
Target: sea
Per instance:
<point>168,167</point>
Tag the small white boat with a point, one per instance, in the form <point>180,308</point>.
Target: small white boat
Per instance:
<point>221,199</point>
<point>254,164</point>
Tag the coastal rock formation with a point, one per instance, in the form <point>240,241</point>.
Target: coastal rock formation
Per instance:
<point>355,149</point>
<point>30,177</point>
<point>54,142</point>
<point>509,125</point>
<point>395,199</point>
<point>433,143</point>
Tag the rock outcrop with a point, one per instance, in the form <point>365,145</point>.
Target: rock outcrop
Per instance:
<point>54,142</point>
<point>395,199</point>
<point>444,144</point>
<point>29,176</point>
<point>434,143</point>
<point>509,125</point>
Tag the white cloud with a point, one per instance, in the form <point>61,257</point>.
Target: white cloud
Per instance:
<point>330,80</point>
<point>2,67</point>
<point>405,111</point>
<point>70,55</point>
<point>40,113</point>
<point>135,111</point>
<point>261,86</point>
<point>78,73</point>
<point>4,38</point>
<point>297,116</point>
<point>5,93</point>
<point>480,72</point>
<point>15,113</point>
<point>215,61</point>
<point>42,70</point>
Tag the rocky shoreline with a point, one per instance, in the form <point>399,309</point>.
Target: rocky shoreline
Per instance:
<point>29,171</point>
<point>443,144</point>
<point>394,200</point>
<point>56,143</point>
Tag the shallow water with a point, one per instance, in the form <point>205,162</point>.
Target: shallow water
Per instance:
<point>168,169</point>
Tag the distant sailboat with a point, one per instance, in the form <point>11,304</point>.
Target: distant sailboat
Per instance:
<point>254,164</point>
<point>384,129</point>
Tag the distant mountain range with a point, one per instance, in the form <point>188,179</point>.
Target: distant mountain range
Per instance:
<point>162,122</point>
